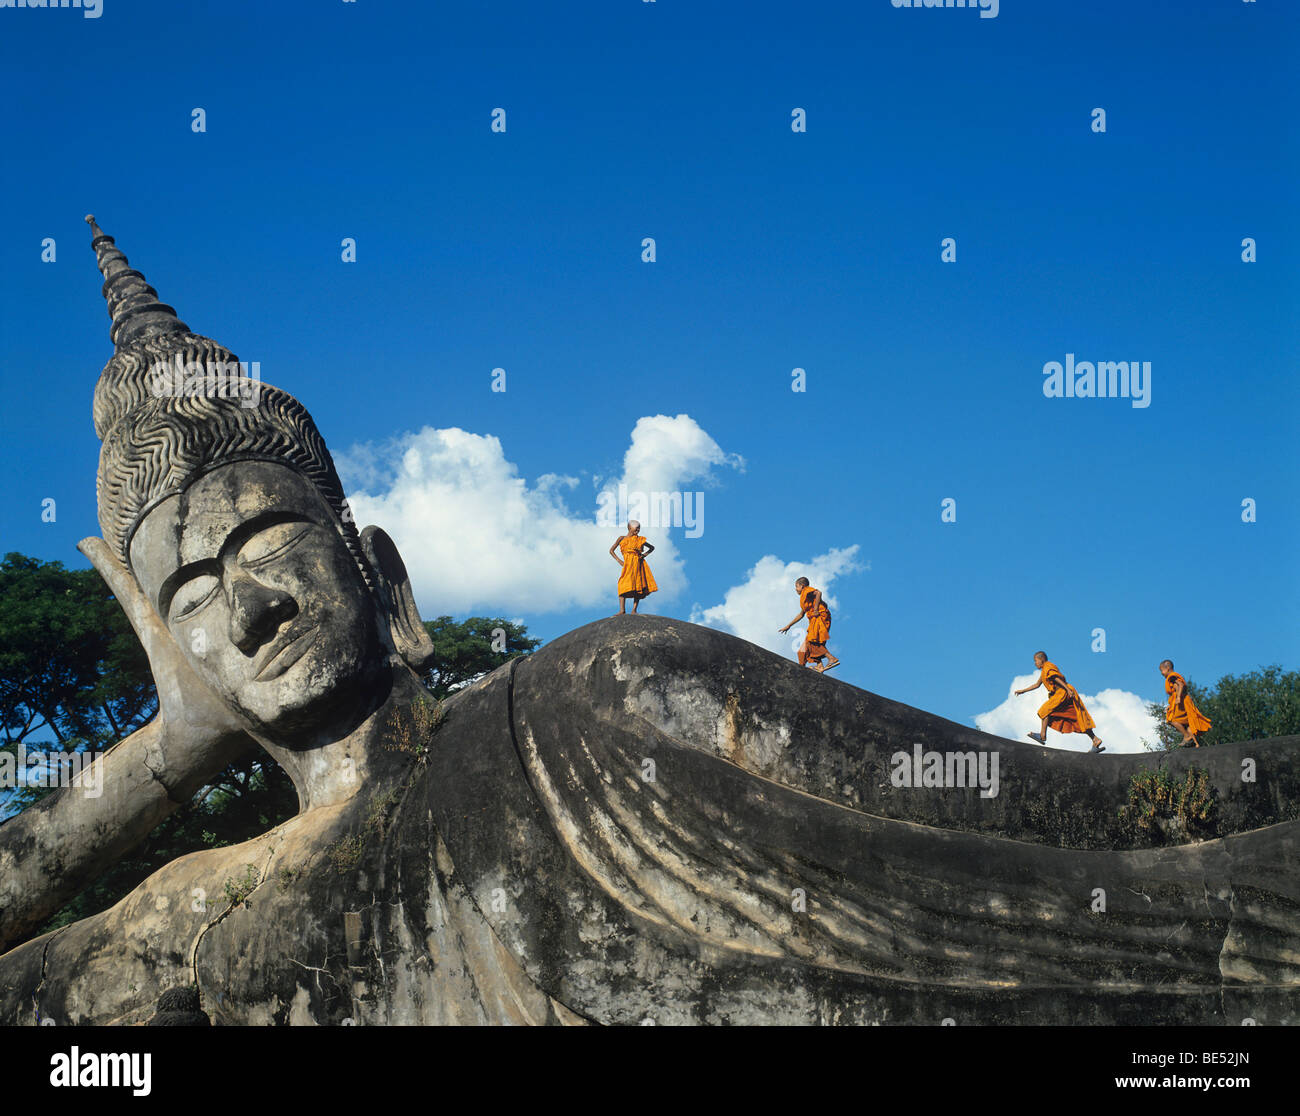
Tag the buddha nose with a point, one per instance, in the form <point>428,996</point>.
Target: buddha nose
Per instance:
<point>256,612</point>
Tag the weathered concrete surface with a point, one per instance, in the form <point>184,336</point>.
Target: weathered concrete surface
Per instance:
<point>525,871</point>
<point>816,734</point>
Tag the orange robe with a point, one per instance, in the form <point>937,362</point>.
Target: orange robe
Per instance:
<point>636,580</point>
<point>1188,717</point>
<point>819,624</point>
<point>1064,708</point>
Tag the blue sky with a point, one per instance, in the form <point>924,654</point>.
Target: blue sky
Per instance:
<point>775,250</point>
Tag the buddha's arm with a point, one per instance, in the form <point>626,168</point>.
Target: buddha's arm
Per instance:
<point>51,851</point>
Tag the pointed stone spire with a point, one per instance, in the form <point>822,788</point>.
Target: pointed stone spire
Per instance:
<point>132,303</point>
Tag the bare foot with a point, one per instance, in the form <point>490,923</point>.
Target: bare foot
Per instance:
<point>830,666</point>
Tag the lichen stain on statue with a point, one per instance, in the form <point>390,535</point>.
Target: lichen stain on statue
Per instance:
<point>503,857</point>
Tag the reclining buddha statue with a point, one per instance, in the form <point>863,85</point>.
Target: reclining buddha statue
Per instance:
<point>645,821</point>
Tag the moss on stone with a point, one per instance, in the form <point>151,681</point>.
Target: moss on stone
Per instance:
<point>345,853</point>
<point>1161,805</point>
<point>239,888</point>
<point>413,727</point>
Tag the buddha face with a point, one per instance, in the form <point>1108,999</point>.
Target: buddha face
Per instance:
<point>249,572</point>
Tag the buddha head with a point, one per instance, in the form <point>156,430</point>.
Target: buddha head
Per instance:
<point>219,496</point>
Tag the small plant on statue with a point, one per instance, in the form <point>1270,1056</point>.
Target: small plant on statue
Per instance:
<point>1163,804</point>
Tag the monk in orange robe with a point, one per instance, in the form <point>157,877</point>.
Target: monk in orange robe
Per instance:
<point>1064,709</point>
<point>636,581</point>
<point>813,653</point>
<point>1182,710</point>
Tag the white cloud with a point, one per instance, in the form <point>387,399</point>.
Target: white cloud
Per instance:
<point>765,601</point>
<point>1122,719</point>
<point>666,457</point>
<point>476,536</point>
<point>667,453</point>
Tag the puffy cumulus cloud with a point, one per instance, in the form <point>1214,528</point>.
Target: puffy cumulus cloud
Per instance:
<point>668,453</point>
<point>1122,719</point>
<point>764,602</point>
<point>667,456</point>
<point>477,537</point>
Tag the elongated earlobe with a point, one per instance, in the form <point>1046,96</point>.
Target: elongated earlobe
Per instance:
<point>410,640</point>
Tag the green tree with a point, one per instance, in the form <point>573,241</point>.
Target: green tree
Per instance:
<point>1254,706</point>
<point>73,676</point>
<point>467,649</point>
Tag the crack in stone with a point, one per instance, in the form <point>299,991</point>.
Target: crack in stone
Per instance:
<point>1227,933</point>
<point>1206,895</point>
<point>194,955</point>
<point>45,953</point>
<point>156,774</point>
<point>318,971</point>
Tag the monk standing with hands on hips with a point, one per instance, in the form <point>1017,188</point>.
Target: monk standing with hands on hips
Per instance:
<point>636,581</point>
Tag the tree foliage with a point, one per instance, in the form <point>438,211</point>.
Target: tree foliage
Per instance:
<point>467,649</point>
<point>73,676</point>
<point>69,661</point>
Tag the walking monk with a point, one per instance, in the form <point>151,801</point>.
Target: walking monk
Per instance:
<point>819,628</point>
<point>1181,710</point>
<point>636,581</point>
<point>1064,709</point>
